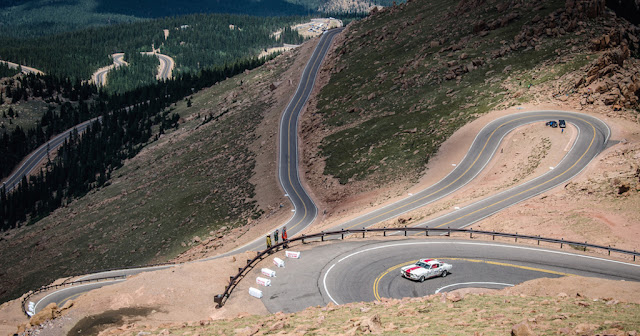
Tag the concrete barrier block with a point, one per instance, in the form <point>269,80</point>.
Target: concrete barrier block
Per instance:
<point>263,281</point>
<point>268,272</point>
<point>255,292</point>
<point>278,262</point>
<point>292,255</point>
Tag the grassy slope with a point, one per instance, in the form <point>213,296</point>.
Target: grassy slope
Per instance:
<point>387,104</point>
<point>188,183</point>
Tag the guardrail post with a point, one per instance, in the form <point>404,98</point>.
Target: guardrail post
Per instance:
<point>585,247</point>
<point>634,255</point>
<point>364,231</point>
<point>231,279</point>
<point>426,232</point>
<point>248,261</point>
<point>493,235</point>
<point>449,232</point>
<point>470,235</point>
<point>322,237</point>
<point>516,236</point>
<point>218,299</point>
<point>303,238</point>
<point>385,231</point>
<point>609,250</point>
<point>405,230</point>
<point>538,239</point>
<point>342,234</point>
<point>561,240</point>
<point>239,269</point>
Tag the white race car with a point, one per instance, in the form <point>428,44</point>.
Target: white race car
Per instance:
<point>426,268</point>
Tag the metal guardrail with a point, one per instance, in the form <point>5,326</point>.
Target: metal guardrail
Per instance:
<point>221,299</point>
<point>78,282</point>
<point>67,284</point>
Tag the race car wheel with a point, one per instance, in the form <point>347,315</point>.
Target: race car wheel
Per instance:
<point>444,274</point>
<point>422,279</point>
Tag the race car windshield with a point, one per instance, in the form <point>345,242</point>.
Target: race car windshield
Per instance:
<point>421,264</point>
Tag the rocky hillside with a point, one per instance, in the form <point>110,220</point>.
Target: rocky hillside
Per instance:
<point>403,80</point>
<point>211,179</point>
<point>566,306</point>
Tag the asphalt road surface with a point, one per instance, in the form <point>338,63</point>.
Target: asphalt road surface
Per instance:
<point>164,69</point>
<point>304,209</point>
<point>101,75</point>
<point>593,135</point>
<point>360,270</point>
<point>39,155</point>
<point>364,271</point>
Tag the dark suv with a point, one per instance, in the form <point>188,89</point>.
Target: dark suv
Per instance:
<point>562,123</point>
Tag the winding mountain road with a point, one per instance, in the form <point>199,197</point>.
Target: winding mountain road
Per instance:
<point>593,135</point>
<point>25,69</point>
<point>165,69</point>
<point>365,270</point>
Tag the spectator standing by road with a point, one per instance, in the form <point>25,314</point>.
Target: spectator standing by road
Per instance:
<point>268,241</point>
<point>284,236</point>
<point>275,237</point>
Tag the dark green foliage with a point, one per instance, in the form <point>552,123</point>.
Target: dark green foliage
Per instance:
<point>5,71</point>
<point>86,162</point>
<point>141,71</point>
<point>195,42</point>
<point>15,145</point>
<point>291,36</point>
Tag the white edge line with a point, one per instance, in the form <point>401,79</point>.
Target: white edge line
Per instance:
<point>145,269</point>
<point>417,195</point>
<point>326,290</point>
<point>35,308</point>
<point>473,283</point>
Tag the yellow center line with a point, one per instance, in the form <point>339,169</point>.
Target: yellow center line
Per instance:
<point>314,63</point>
<point>448,185</point>
<point>536,186</point>
<point>376,283</point>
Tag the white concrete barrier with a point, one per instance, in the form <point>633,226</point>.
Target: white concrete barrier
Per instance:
<point>255,292</point>
<point>278,262</point>
<point>292,255</point>
<point>32,309</point>
<point>268,272</point>
<point>262,281</point>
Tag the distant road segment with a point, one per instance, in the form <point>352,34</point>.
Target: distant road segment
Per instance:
<point>165,69</point>
<point>35,159</point>
<point>25,69</point>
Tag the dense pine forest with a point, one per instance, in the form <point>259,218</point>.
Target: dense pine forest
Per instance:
<point>195,42</point>
<point>6,71</point>
<point>67,106</point>
<point>33,18</point>
<point>128,122</point>
<point>141,71</point>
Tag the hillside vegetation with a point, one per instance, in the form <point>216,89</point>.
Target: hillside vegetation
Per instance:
<point>194,181</point>
<point>195,42</point>
<point>404,79</point>
<point>24,19</point>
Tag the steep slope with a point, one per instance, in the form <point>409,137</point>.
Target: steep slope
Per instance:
<point>403,80</point>
<point>208,180</point>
